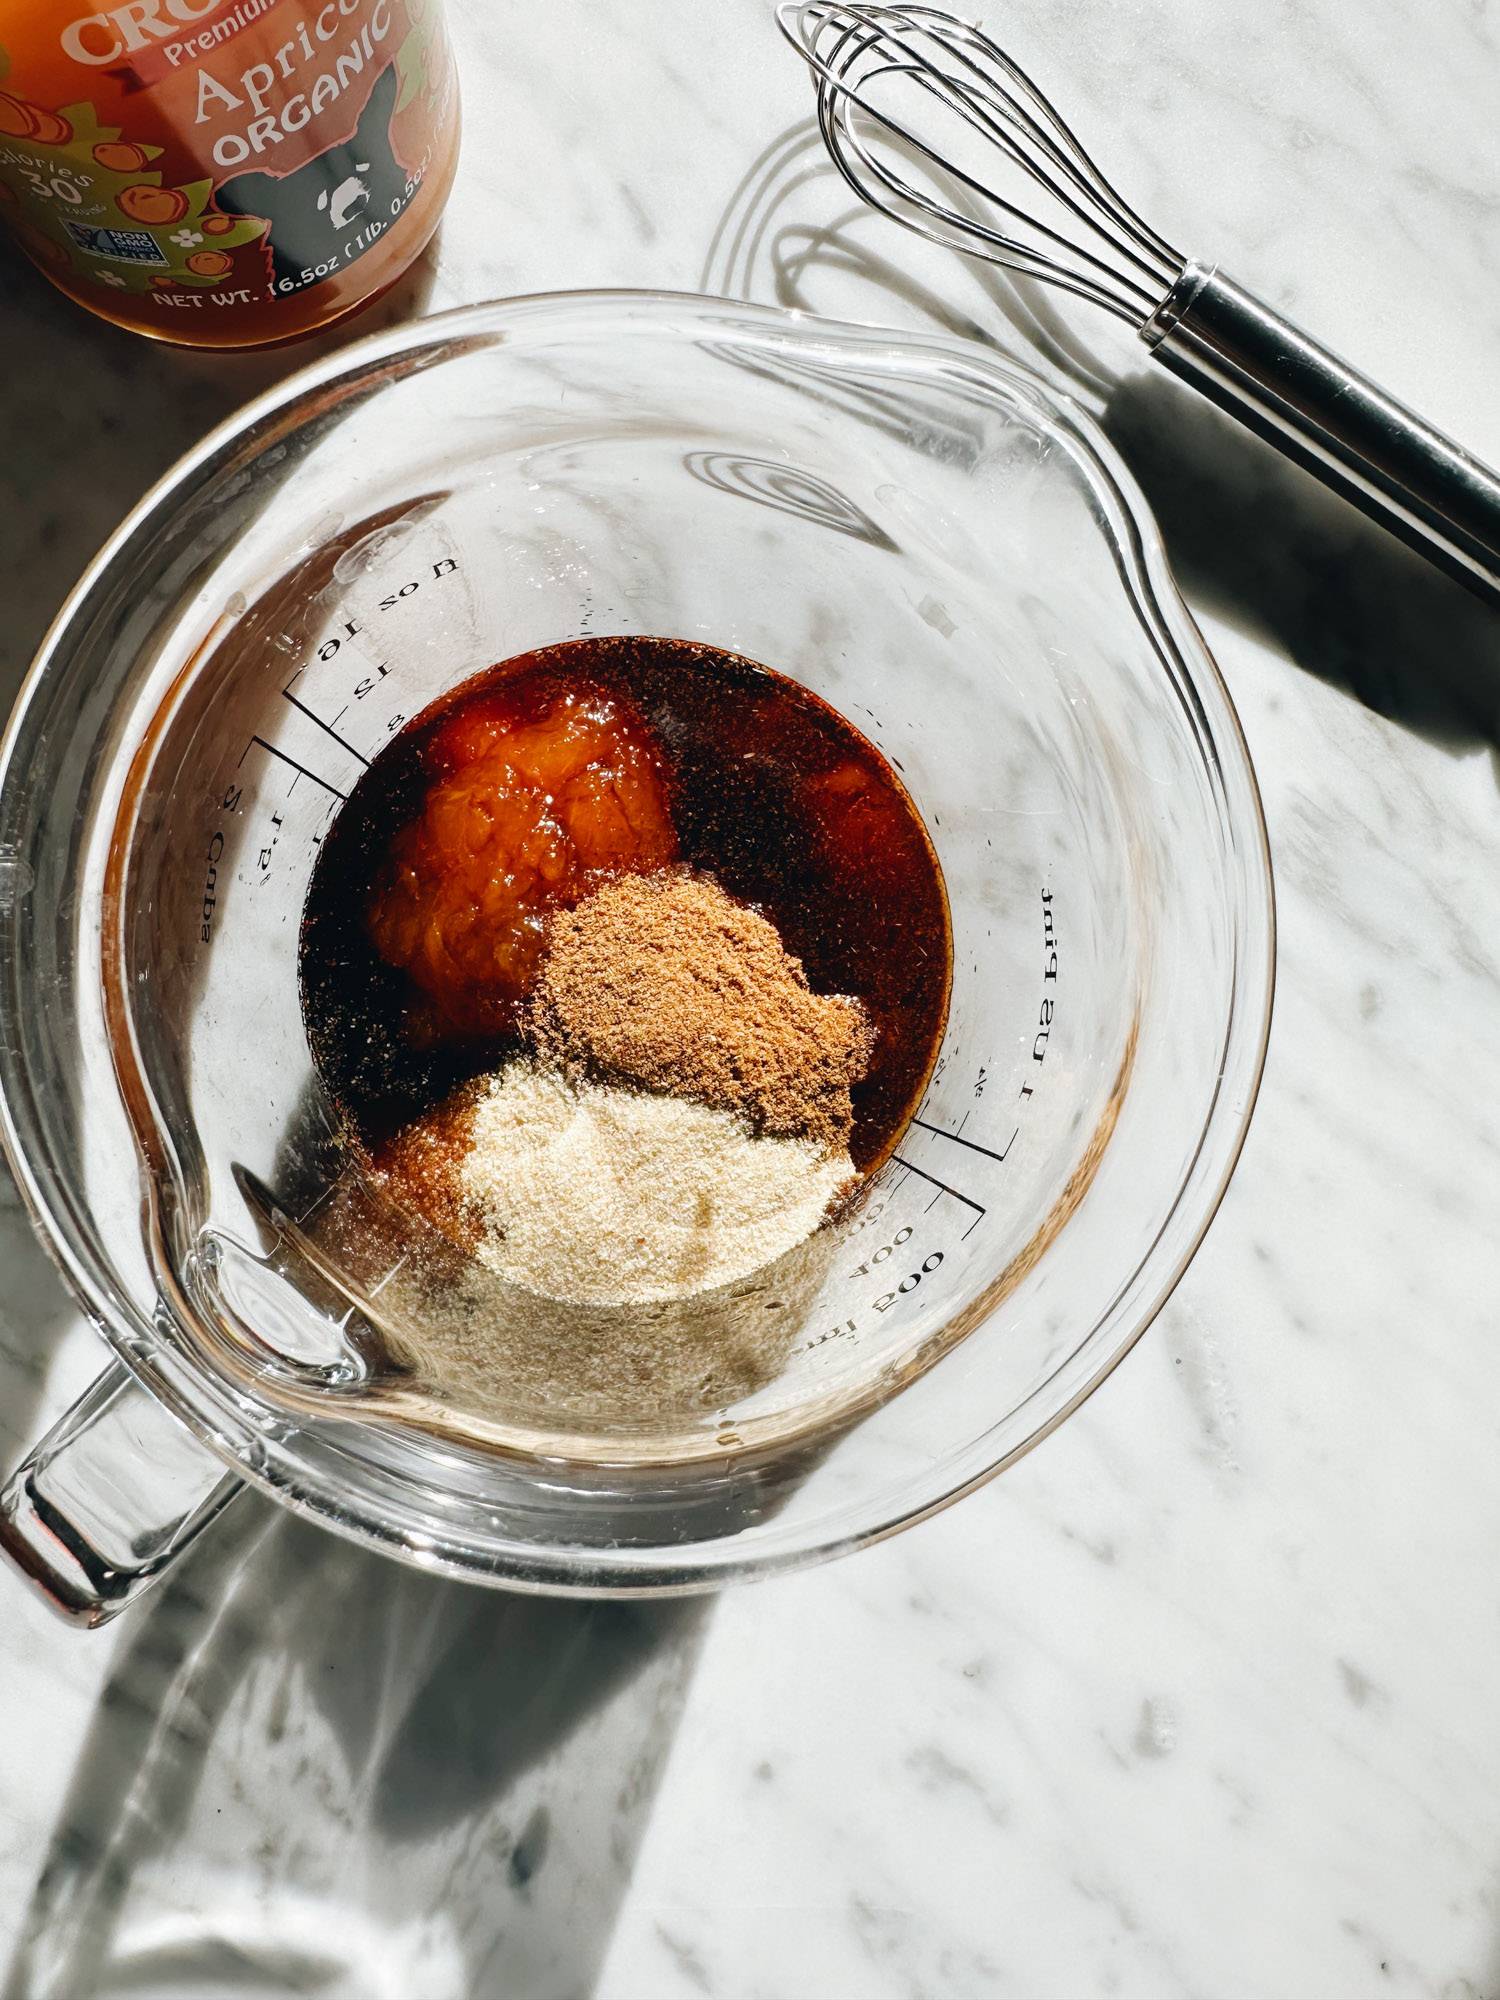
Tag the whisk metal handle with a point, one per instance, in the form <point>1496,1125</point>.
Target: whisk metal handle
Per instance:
<point>1311,405</point>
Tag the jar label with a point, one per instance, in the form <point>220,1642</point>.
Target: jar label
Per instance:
<point>226,151</point>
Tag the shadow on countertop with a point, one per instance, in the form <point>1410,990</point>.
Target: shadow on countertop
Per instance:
<point>105,413</point>
<point>1253,539</point>
<point>36,1314</point>
<point>1260,543</point>
<point>315,1771</point>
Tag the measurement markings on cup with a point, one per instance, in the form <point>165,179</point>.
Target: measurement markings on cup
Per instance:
<point>327,728</point>
<point>957,1138</point>
<point>1041,1041</point>
<point>329,649</point>
<point>300,769</point>
<point>980,1211</point>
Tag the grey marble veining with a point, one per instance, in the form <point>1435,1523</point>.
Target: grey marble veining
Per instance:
<point>1199,1700</point>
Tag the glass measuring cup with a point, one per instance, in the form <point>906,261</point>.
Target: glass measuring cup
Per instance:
<point>927,538</point>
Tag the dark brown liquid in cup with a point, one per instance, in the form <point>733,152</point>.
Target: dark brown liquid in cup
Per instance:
<point>771,791</point>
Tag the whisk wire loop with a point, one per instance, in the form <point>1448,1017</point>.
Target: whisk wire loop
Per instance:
<point>853,46</point>
<point>1195,320</point>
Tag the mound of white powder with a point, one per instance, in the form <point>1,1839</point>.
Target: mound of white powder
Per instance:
<point>585,1191</point>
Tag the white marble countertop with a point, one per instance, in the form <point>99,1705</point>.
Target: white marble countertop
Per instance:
<point>1201,1698</point>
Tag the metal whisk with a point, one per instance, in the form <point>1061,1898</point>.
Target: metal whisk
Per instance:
<point>867,59</point>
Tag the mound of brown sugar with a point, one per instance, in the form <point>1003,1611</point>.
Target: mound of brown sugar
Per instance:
<point>665,982</point>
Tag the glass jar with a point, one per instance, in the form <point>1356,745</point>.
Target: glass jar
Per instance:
<point>225,173</point>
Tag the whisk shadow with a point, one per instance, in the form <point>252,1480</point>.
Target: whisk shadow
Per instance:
<point>1261,544</point>
<point>312,1770</point>
<point>789,235</point>
<point>1253,539</point>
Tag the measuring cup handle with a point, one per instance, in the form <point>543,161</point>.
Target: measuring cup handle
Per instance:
<point>114,1493</point>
